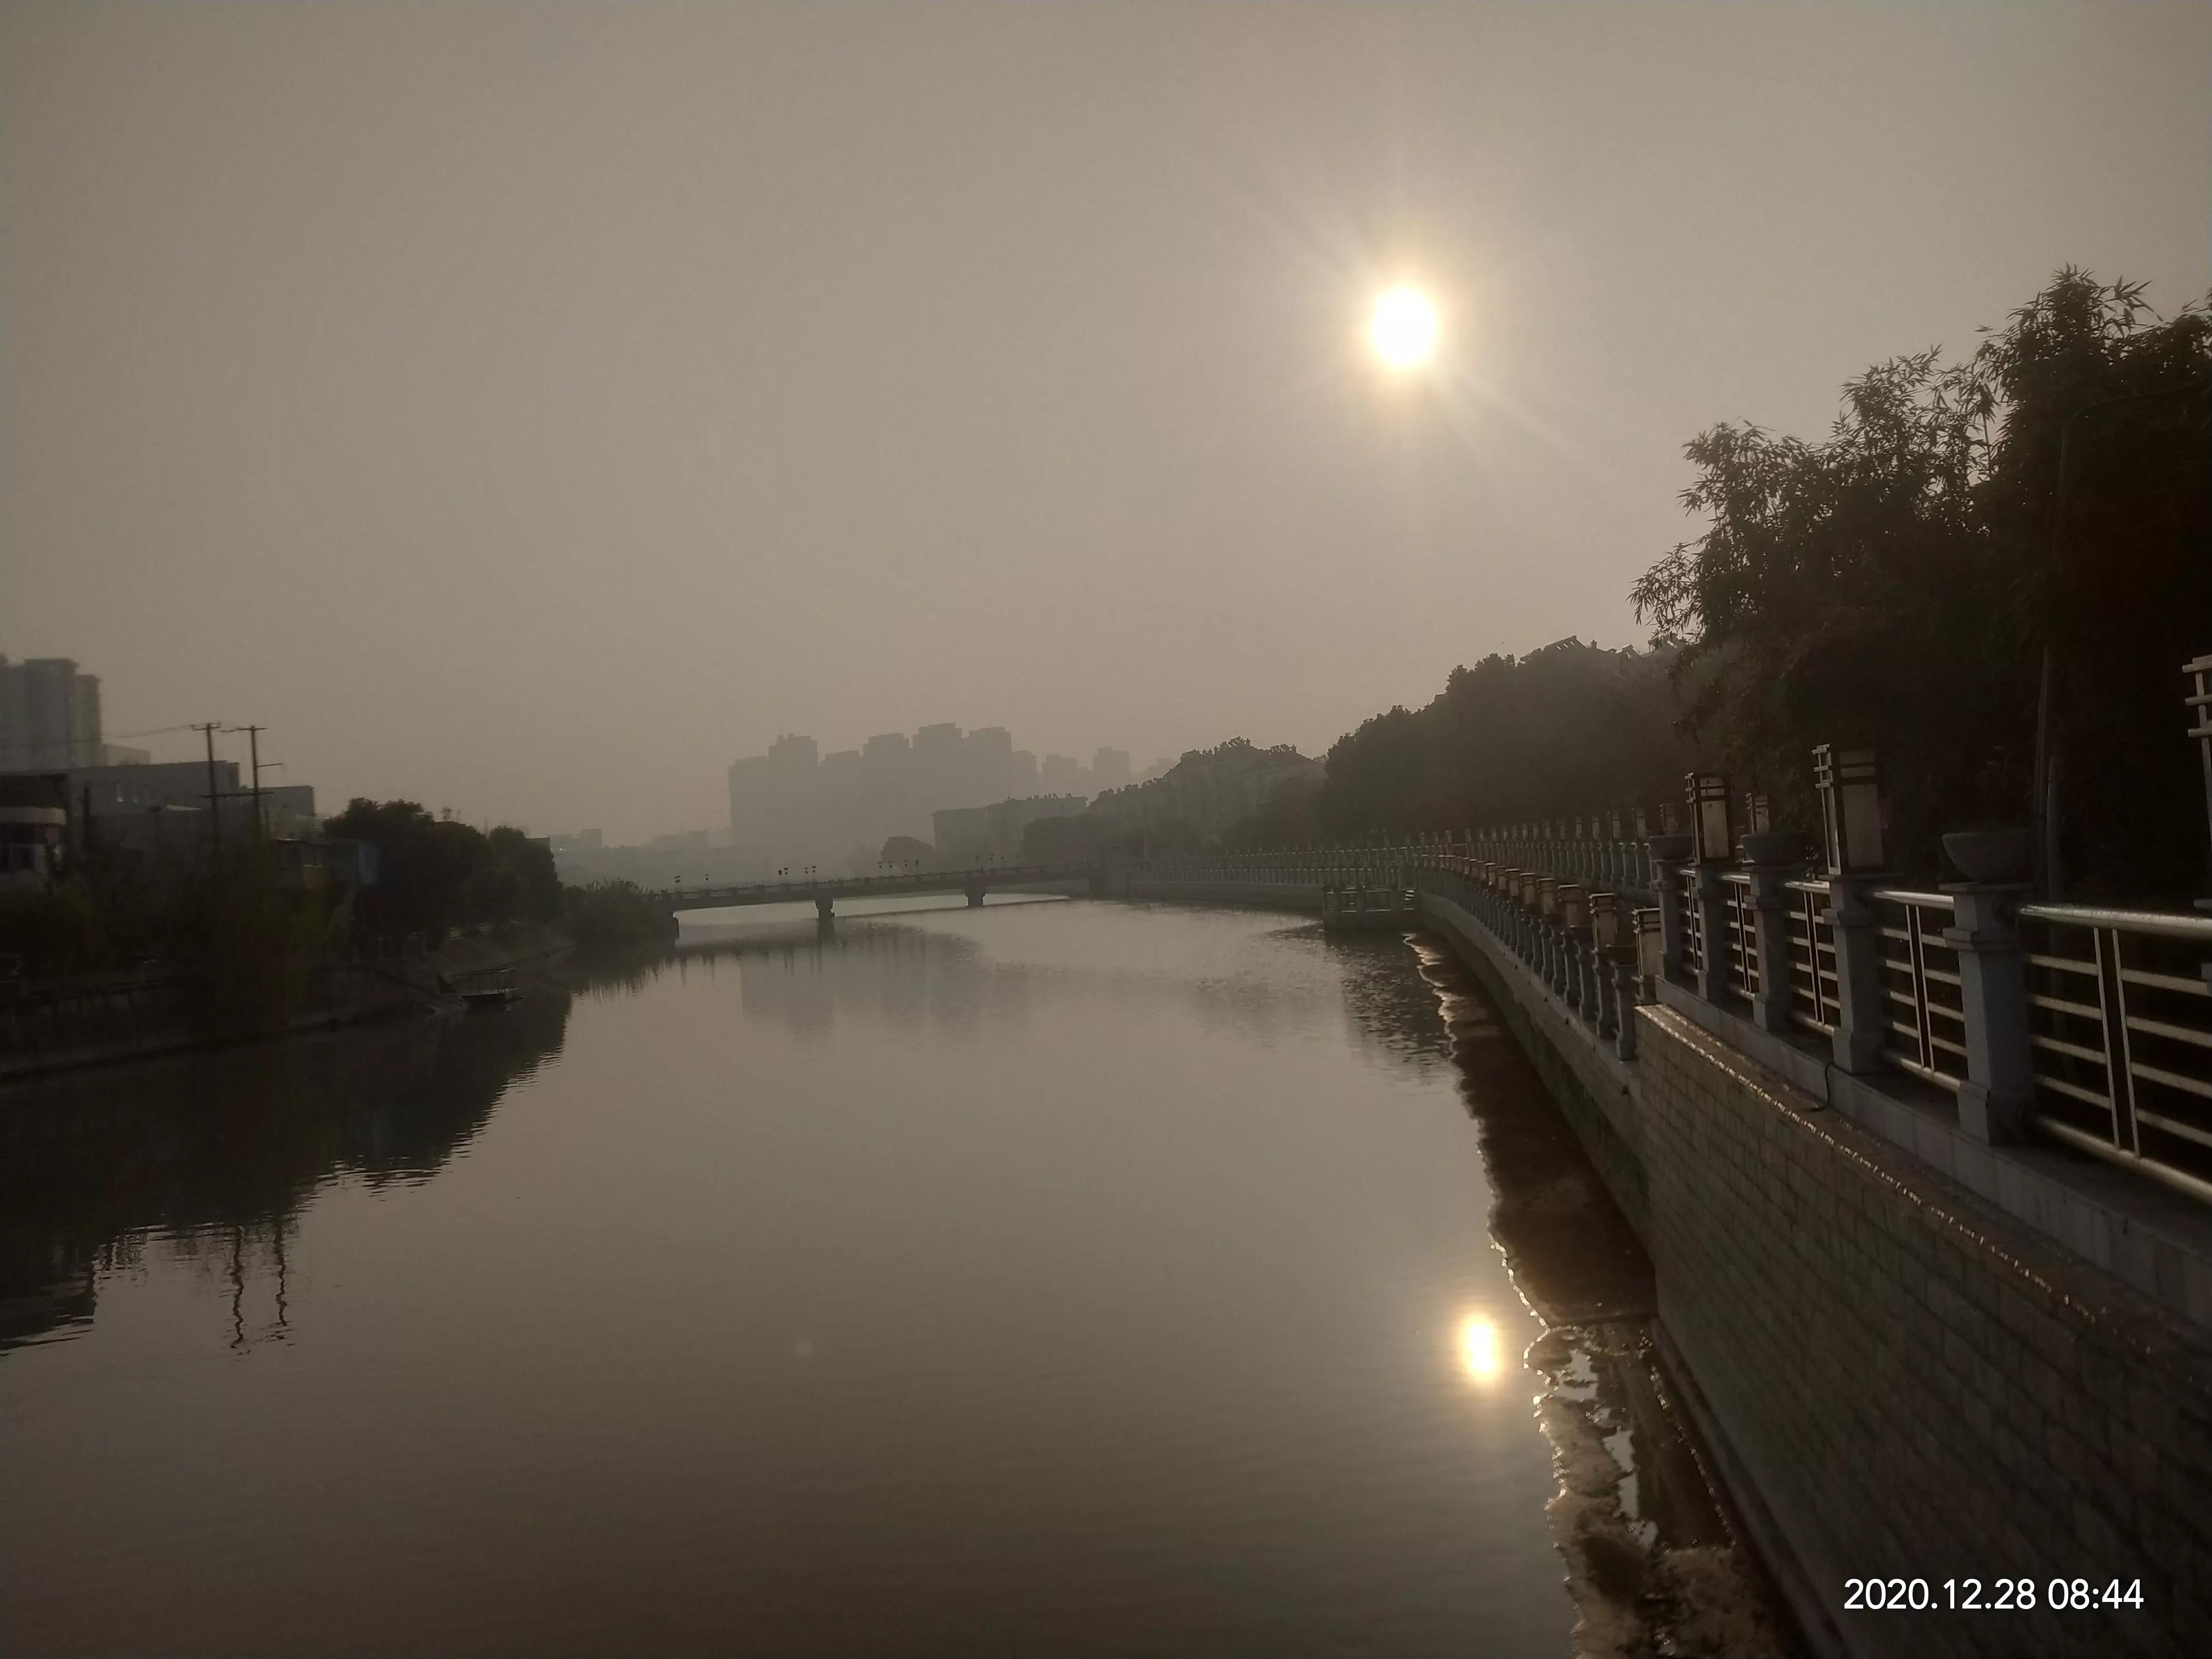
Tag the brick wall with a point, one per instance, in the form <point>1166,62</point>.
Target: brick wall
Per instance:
<point>1913,1383</point>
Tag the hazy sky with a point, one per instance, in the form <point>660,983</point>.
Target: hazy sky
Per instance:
<point>528,409</point>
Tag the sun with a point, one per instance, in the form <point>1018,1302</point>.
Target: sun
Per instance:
<point>1404,327</point>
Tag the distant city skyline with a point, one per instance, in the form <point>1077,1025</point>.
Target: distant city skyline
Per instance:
<point>795,802</point>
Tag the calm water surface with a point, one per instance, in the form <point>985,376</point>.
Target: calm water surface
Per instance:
<point>1053,1278</point>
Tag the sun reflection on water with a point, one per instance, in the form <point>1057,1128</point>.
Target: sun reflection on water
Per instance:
<point>1478,1350</point>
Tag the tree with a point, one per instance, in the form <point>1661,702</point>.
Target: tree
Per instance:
<point>1905,582</point>
<point>436,874</point>
<point>900,850</point>
<point>1568,729</point>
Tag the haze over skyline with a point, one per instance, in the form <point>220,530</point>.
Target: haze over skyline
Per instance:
<point>531,410</point>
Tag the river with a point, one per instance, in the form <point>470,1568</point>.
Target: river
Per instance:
<point>1057,1277</point>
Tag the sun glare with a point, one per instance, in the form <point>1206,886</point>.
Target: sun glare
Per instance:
<point>1478,1348</point>
<point>1404,328</point>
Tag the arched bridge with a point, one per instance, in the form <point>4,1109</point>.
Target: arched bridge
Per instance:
<point>827,890</point>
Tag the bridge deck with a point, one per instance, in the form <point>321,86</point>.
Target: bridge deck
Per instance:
<point>926,881</point>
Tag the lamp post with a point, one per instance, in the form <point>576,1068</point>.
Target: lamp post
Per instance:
<point>1712,821</point>
<point>1713,838</point>
<point>2200,699</point>
<point>1849,784</point>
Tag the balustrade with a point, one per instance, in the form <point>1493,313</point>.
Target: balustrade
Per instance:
<point>2118,1030</point>
<point>2093,1027</point>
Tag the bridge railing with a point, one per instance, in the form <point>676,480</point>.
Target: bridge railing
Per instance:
<point>799,888</point>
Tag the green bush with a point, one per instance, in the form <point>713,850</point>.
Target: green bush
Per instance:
<point>615,913</point>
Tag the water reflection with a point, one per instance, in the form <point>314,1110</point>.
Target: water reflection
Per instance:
<point>980,975</point>
<point>1652,1563</point>
<point>208,1156</point>
<point>1065,1277</point>
<point>1479,1351</point>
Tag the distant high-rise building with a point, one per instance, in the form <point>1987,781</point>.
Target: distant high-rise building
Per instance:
<point>1061,774</point>
<point>791,755</point>
<point>751,786</point>
<point>795,803</point>
<point>49,716</point>
<point>993,740</point>
<point>1109,768</point>
<point>936,745</point>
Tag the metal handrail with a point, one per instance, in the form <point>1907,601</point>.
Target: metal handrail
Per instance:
<point>2158,923</point>
<point>1909,895</point>
<point>2120,1042</point>
<point>2118,1001</point>
<point>1815,995</point>
<point>1744,973</point>
<point>1693,923</point>
<point>1927,1049</point>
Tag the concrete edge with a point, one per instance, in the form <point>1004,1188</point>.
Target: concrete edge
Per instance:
<point>1748,1511</point>
<point>2177,1350</point>
<point>2156,1241</point>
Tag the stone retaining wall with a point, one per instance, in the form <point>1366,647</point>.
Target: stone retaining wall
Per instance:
<point>1897,1379</point>
<point>1919,1386</point>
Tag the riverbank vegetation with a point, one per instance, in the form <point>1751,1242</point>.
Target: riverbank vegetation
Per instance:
<point>2020,539</point>
<point>244,933</point>
<point>1570,728</point>
<point>436,875</point>
<point>615,916</point>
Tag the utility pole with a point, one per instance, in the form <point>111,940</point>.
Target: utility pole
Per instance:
<point>253,747</point>
<point>215,806</point>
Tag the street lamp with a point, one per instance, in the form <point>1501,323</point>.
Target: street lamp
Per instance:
<point>1850,786</point>
<point>1709,817</point>
<point>2200,699</point>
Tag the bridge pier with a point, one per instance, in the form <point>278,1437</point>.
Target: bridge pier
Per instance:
<point>974,890</point>
<point>822,906</point>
